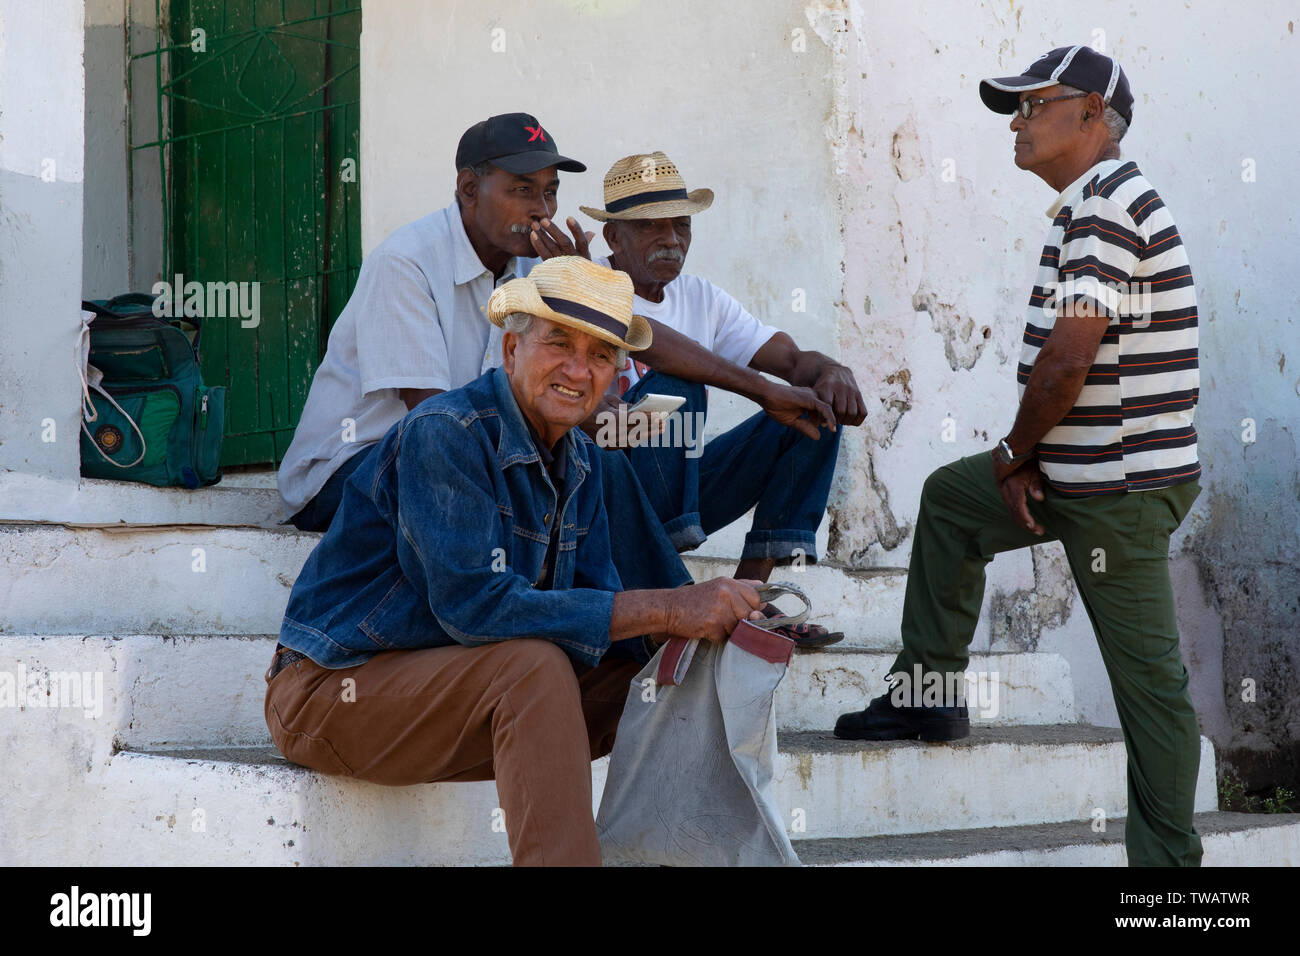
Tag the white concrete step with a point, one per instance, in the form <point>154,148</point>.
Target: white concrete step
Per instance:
<point>248,498</point>
<point>250,806</point>
<point>177,579</point>
<point>998,776</point>
<point>147,691</point>
<point>1228,839</point>
<point>170,580</point>
<point>1001,689</point>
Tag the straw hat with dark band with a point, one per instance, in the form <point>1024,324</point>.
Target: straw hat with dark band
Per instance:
<point>648,186</point>
<point>578,293</point>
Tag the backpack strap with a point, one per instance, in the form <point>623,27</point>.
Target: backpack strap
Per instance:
<point>88,414</point>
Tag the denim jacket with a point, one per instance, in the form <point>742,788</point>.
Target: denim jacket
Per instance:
<point>441,536</point>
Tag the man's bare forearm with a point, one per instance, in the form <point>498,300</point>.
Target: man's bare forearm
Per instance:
<point>1059,372</point>
<point>1051,392</point>
<point>675,354</point>
<point>780,356</point>
<point>708,610</point>
<point>414,396</point>
<point>809,367</point>
<point>639,612</point>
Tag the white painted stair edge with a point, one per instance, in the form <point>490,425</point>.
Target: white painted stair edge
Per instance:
<point>159,809</point>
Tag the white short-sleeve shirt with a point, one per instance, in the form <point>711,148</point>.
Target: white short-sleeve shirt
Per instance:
<point>414,320</point>
<point>698,309</point>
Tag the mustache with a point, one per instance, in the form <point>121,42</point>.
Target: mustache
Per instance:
<point>674,254</point>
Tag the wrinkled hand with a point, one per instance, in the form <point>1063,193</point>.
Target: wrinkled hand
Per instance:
<point>837,387</point>
<point>550,241</point>
<point>789,404</point>
<point>1014,484</point>
<point>710,611</point>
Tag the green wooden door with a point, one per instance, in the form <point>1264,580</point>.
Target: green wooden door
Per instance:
<point>262,187</point>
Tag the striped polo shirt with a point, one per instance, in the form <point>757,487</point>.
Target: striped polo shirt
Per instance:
<point>1113,244</point>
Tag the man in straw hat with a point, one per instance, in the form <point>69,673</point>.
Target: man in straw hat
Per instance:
<point>779,462</point>
<point>414,325</point>
<point>462,618</point>
<point>1101,456</point>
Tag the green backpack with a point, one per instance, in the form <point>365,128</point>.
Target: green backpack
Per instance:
<point>147,415</point>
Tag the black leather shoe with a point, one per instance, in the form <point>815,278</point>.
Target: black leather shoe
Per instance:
<point>883,721</point>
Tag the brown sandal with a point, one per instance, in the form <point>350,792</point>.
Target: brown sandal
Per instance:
<point>805,636</point>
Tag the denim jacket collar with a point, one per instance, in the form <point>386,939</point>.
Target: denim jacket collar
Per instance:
<point>516,445</point>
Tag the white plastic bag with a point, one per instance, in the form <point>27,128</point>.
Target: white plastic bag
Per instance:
<point>690,775</point>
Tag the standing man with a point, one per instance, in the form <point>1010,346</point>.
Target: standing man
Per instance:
<point>414,325</point>
<point>1101,456</point>
<point>462,618</point>
<point>778,461</point>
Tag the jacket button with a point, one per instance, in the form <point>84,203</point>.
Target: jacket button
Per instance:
<point>547,519</point>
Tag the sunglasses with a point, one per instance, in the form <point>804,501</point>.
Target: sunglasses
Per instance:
<point>1026,108</point>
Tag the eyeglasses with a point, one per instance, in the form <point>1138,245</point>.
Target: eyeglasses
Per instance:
<point>1026,108</point>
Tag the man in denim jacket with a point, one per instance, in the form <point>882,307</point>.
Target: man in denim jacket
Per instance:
<point>462,618</point>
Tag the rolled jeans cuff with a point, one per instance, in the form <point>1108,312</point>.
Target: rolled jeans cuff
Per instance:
<point>781,546</point>
<point>685,532</point>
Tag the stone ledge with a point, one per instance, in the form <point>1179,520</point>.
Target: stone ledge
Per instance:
<point>241,501</point>
<point>826,788</point>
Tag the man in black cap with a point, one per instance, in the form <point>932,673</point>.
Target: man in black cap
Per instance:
<point>414,324</point>
<point>1101,456</point>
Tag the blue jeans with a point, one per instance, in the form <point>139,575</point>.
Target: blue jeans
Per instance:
<point>317,514</point>
<point>642,552</point>
<point>759,464</point>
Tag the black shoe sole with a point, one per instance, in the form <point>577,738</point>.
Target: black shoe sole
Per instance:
<point>938,731</point>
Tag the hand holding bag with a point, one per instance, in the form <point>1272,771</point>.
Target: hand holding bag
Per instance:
<point>690,776</point>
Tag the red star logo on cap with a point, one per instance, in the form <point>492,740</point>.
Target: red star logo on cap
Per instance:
<point>538,133</point>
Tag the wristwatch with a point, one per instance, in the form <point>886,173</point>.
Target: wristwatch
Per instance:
<point>1004,454</point>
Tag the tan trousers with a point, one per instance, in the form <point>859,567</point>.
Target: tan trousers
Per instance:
<point>517,712</point>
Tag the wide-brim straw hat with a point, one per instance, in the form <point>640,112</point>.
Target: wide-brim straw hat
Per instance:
<point>648,186</point>
<point>578,293</point>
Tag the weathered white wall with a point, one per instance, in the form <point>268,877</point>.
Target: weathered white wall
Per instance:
<point>41,174</point>
<point>853,159</point>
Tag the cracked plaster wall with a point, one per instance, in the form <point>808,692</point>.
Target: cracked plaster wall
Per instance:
<point>941,236</point>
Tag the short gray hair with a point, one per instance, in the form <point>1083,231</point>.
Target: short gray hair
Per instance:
<point>521,323</point>
<point>1116,125</point>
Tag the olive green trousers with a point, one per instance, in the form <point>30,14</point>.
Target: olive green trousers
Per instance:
<point>1118,549</point>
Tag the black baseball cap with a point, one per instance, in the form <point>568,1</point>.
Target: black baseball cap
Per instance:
<point>515,142</point>
<point>1079,66</point>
